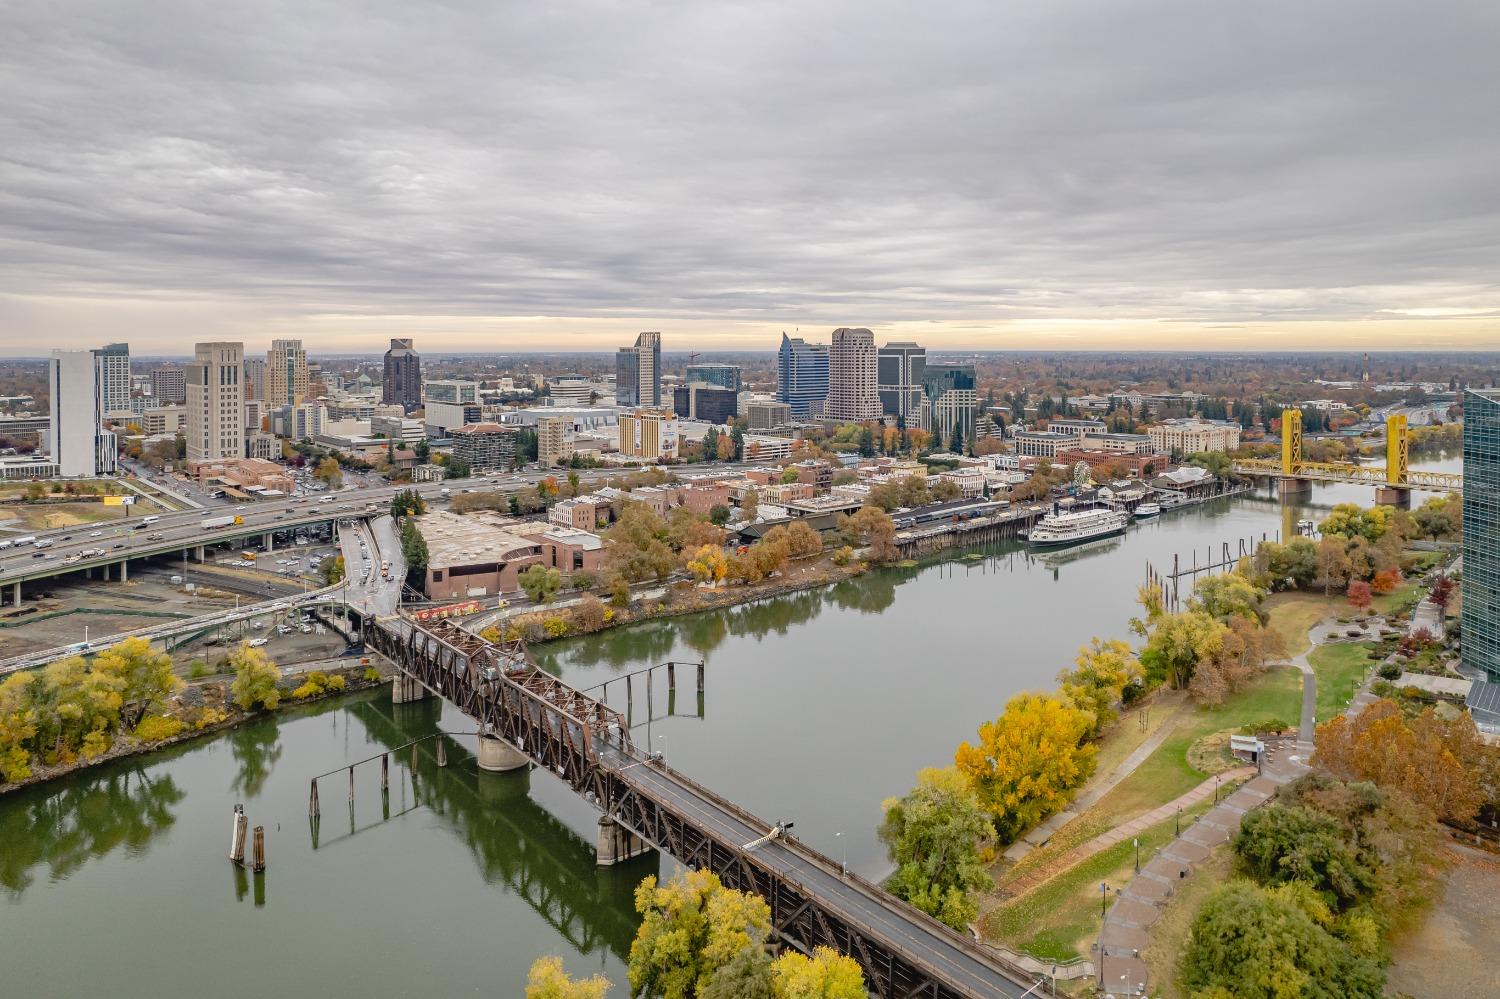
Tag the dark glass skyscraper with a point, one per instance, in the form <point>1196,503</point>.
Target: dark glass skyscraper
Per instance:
<point>899,373</point>
<point>1481,576</point>
<point>402,384</point>
<point>802,376</point>
<point>720,375</point>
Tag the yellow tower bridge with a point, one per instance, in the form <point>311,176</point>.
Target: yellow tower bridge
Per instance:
<point>1393,483</point>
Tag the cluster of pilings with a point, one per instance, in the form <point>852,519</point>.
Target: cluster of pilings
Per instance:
<point>237,837</point>
<point>314,807</point>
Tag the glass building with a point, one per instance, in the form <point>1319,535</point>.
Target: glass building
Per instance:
<point>802,376</point>
<point>726,376</point>
<point>948,402</point>
<point>638,372</point>
<point>900,367</point>
<point>1481,570</point>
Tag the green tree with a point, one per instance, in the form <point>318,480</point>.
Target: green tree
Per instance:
<point>456,468</point>
<point>333,570</point>
<point>1177,643</point>
<point>932,835</point>
<point>408,503</point>
<point>737,437</point>
<point>540,583</point>
<point>1217,462</point>
<point>414,550</point>
<point>690,927</point>
<point>255,678</point>
<point>1229,594</point>
<point>1255,943</point>
<point>548,980</point>
<point>866,442</point>
<point>718,515</point>
<point>747,975</point>
<point>636,545</point>
<point>1279,843</point>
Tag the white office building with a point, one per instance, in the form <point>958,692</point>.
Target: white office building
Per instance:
<point>79,444</point>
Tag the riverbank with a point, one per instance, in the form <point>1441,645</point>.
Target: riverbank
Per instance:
<point>209,698</point>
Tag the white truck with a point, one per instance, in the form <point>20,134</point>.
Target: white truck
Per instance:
<point>213,523</point>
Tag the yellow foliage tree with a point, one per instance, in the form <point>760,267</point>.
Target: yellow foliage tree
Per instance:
<point>145,677</point>
<point>1028,761</point>
<point>690,927</point>
<point>709,564</point>
<point>548,980</point>
<point>826,975</point>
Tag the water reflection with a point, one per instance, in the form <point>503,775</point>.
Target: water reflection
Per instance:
<point>256,750</point>
<point>64,828</point>
<point>514,841</point>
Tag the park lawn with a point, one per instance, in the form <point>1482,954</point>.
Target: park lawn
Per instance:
<point>1338,666</point>
<point>1060,920</point>
<point>1170,932</point>
<point>1384,603</point>
<point>1293,615</point>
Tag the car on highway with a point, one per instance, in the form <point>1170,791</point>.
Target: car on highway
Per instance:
<point>118,547</point>
<point>97,534</point>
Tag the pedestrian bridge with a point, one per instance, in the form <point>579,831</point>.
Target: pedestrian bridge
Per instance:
<point>531,718</point>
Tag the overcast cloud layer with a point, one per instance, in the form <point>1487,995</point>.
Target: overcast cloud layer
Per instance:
<point>503,175</point>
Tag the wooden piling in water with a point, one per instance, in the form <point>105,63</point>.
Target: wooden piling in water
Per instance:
<point>259,855</point>
<point>351,785</point>
<point>672,676</point>
<point>385,772</point>
<point>442,752</point>
<point>700,678</point>
<point>237,835</point>
<point>313,811</point>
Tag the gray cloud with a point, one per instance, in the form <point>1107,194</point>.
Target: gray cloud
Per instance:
<point>758,162</point>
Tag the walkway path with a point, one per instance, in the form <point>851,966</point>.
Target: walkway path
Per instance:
<point>1039,836</point>
<point>1136,826</point>
<point>1138,905</point>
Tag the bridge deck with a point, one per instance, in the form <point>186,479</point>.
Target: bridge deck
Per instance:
<point>903,952</point>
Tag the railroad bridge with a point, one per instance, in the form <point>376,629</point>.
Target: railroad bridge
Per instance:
<point>528,717</point>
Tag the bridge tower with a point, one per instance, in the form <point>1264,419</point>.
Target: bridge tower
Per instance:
<point>1294,489</point>
<point>1397,489</point>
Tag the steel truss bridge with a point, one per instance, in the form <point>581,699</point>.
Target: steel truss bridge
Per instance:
<point>1397,473</point>
<point>905,954</point>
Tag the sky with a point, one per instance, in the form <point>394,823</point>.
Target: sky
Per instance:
<point>495,176</point>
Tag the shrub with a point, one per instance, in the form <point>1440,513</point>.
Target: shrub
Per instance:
<point>1390,671</point>
<point>157,728</point>
<point>555,627</point>
<point>209,717</point>
<point>371,675</point>
<point>197,669</point>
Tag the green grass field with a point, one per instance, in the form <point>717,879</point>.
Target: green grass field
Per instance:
<point>1338,667</point>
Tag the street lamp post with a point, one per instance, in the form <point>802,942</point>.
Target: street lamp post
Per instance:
<point>1179,820</point>
<point>843,854</point>
<point>1137,843</point>
<point>1216,789</point>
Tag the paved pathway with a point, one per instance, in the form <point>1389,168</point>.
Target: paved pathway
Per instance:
<point>1134,827</point>
<point>1092,793</point>
<point>1137,906</point>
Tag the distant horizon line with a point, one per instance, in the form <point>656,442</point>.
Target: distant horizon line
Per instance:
<point>1157,351</point>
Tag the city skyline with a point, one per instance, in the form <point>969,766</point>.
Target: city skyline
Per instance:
<point>1193,177</point>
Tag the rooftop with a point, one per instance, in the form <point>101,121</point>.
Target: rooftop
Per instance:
<point>479,537</point>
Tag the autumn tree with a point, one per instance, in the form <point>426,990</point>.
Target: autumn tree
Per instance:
<point>1102,674</point>
<point>636,545</point>
<point>932,835</point>
<point>1359,594</point>
<point>827,974</point>
<point>1386,580</point>
<point>255,678</point>
<point>690,926</point>
<point>873,527</point>
<point>709,564</point>
<point>1229,594</point>
<point>1423,758</point>
<point>329,473</point>
<point>145,677</point>
<point>1177,643</point>
<point>1028,761</point>
<point>548,980</point>
<point>1244,650</point>
<point>802,540</point>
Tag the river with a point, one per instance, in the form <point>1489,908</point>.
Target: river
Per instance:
<point>818,705</point>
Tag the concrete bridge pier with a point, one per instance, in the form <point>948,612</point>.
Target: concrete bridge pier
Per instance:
<point>616,844</point>
<point>17,591</point>
<point>405,689</point>
<point>1295,490</point>
<point>124,570</point>
<point>1393,496</point>
<point>268,541</point>
<point>201,555</point>
<point>497,756</point>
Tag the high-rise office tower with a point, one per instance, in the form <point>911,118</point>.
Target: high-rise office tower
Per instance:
<point>638,372</point>
<point>169,385</point>
<point>79,444</point>
<point>899,373</point>
<point>255,379</point>
<point>728,376</point>
<point>1480,614</point>
<point>402,383</point>
<point>853,388</point>
<point>216,402</point>
<point>112,377</point>
<point>286,373</point>
<point>949,401</point>
<point>802,376</point>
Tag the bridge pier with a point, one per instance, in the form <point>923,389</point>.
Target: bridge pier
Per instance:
<point>268,541</point>
<point>1393,496</point>
<point>405,689</point>
<point>497,756</point>
<point>124,570</point>
<point>1295,490</point>
<point>17,591</point>
<point>616,844</point>
<point>201,554</point>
